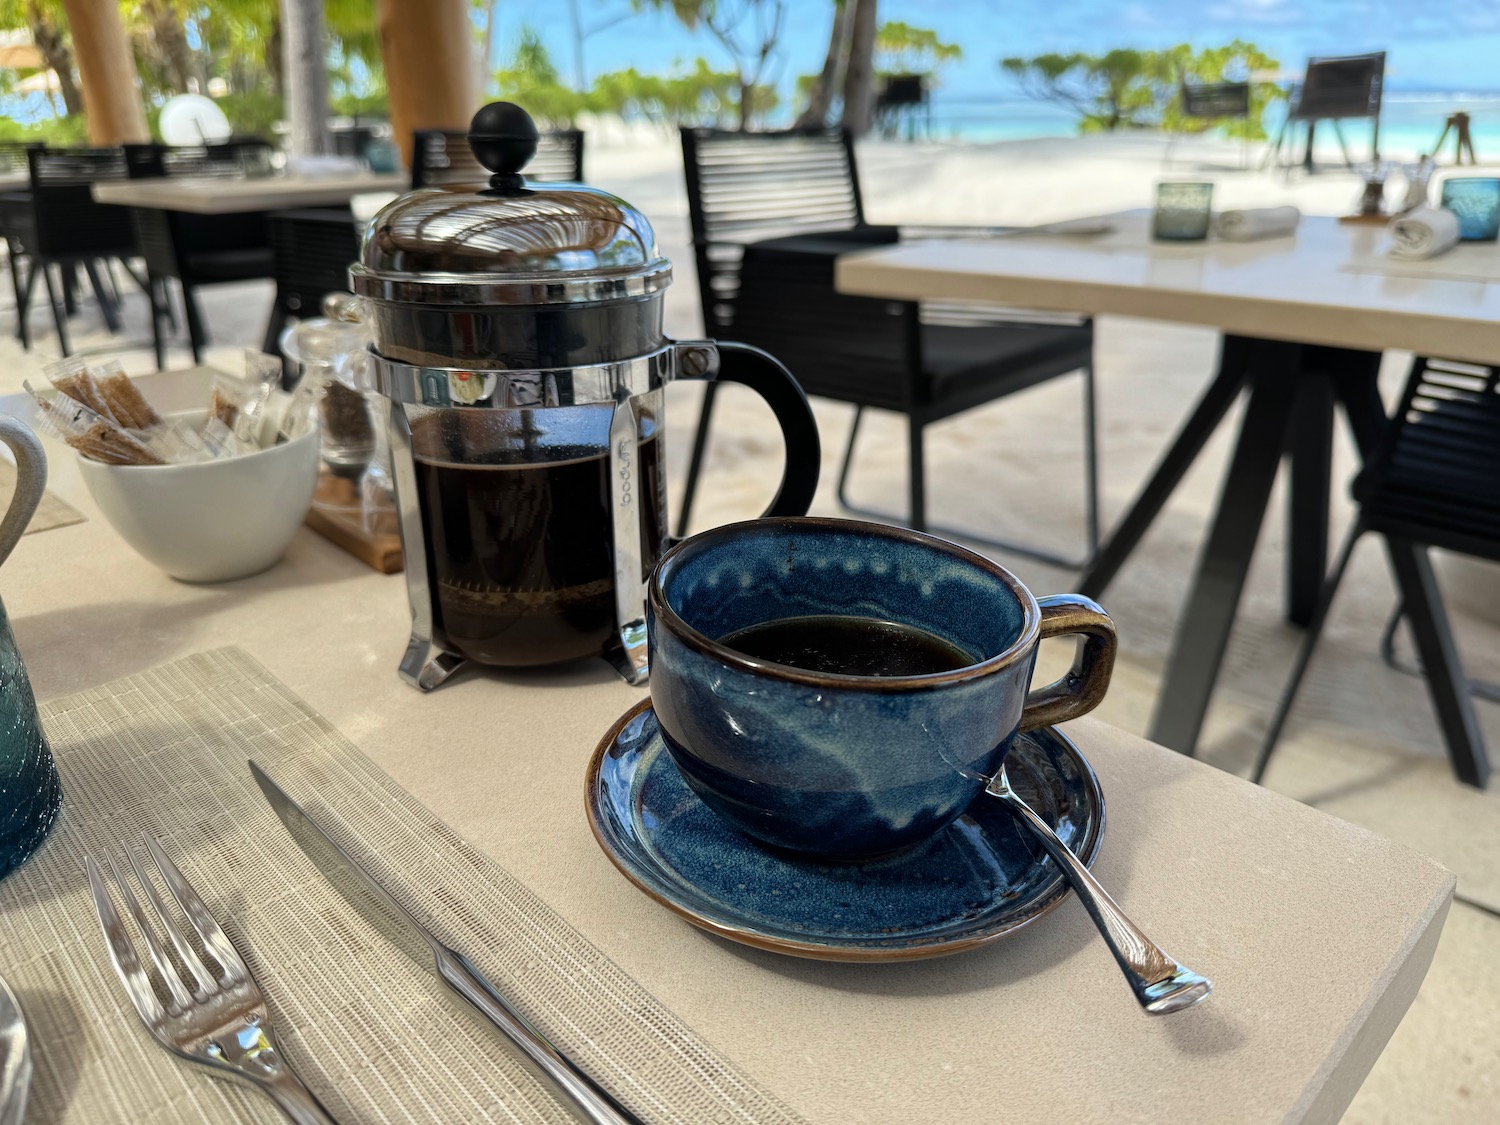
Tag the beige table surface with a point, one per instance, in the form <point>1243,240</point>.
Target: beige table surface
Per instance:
<point>1316,932</point>
<point>1320,286</point>
<point>211,196</point>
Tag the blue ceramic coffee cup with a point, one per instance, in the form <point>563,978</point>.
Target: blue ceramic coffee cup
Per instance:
<point>852,766</point>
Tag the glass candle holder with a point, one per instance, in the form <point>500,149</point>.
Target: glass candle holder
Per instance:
<point>1476,202</point>
<point>1183,212</point>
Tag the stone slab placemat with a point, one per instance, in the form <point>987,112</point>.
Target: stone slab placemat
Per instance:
<point>50,513</point>
<point>378,1039</point>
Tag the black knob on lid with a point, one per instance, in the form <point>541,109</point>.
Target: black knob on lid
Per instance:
<point>503,138</point>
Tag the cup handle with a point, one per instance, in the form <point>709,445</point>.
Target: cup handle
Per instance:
<point>1083,687</point>
<point>770,379</point>
<point>31,481</point>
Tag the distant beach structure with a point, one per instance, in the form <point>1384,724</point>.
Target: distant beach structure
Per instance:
<point>1410,123</point>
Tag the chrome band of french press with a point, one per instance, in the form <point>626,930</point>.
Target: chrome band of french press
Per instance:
<point>539,387</point>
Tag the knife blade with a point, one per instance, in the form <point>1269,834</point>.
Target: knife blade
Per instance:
<point>580,1093</point>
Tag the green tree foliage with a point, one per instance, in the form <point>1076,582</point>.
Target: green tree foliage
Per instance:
<point>1130,89</point>
<point>1117,90</point>
<point>48,24</point>
<point>699,95</point>
<point>903,49</point>
<point>899,49</point>
<point>181,44</point>
<point>70,130</point>
<point>749,31</point>
<point>533,81</point>
<point>1237,61</point>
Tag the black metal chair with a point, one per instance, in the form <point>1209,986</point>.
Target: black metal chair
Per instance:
<point>903,96</point>
<point>353,139</point>
<point>61,226</point>
<point>1213,102</point>
<point>194,250</point>
<point>1336,89</point>
<point>15,207</point>
<point>312,249</point>
<point>440,158</point>
<point>1432,483</point>
<point>770,214</point>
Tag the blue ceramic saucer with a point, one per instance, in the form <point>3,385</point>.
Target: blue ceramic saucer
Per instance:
<point>977,880</point>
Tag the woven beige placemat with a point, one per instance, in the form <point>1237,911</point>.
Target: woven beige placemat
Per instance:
<point>50,513</point>
<point>164,752</point>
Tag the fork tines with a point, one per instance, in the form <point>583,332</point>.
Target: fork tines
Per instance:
<point>203,1005</point>
<point>122,951</point>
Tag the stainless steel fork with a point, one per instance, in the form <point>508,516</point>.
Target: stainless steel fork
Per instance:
<point>220,1022</point>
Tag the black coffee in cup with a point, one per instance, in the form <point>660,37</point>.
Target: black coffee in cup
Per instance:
<point>850,646</point>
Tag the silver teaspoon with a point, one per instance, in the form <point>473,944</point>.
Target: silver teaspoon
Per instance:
<point>1159,982</point>
<point>15,1059</point>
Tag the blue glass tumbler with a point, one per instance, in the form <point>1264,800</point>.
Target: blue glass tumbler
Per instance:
<point>1183,212</point>
<point>1476,202</point>
<point>30,794</point>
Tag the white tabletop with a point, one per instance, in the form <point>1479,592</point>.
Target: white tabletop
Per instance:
<point>211,196</point>
<point>1330,283</point>
<point>1317,933</point>
<point>15,181</point>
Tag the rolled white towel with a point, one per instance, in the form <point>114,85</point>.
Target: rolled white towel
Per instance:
<point>1256,222</point>
<point>1423,233</point>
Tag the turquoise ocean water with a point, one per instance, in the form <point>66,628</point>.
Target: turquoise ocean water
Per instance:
<point>1409,123</point>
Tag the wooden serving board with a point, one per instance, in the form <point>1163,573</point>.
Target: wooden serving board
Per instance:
<point>335,515</point>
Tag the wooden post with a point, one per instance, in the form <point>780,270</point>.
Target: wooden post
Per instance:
<point>859,74</point>
<point>304,76</point>
<point>428,50</point>
<point>111,98</point>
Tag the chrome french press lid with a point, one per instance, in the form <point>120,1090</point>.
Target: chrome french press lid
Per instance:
<point>509,241</point>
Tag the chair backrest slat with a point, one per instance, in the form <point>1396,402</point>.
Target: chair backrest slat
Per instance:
<point>67,220</point>
<point>1216,99</point>
<point>1437,472</point>
<point>312,250</point>
<point>752,188</point>
<point>441,158</point>
<point>747,187</point>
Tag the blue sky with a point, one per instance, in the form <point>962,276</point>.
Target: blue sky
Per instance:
<point>1432,44</point>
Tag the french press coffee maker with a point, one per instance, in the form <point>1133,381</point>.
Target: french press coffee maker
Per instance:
<point>518,337</point>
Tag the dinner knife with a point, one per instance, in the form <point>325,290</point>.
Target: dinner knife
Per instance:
<point>580,1093</point>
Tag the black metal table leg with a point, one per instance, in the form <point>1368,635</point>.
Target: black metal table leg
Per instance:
<point>1205,418</point>
<point>1293,389</point>
<point>1356,382</point>
<point>1203,632</point>
<point>1311,455</point>
<point>917,476</point>
<point>59,311</point>
<point>102,295</point>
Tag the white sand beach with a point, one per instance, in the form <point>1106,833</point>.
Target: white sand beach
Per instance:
<point>1362,744</point>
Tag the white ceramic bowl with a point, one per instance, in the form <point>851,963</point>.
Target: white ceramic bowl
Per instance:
<point>214,520</point>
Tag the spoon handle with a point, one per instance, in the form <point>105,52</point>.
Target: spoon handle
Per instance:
<point>1159,982</point>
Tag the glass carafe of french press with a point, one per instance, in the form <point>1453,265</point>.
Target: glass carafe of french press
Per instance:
<point>518,336</point>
